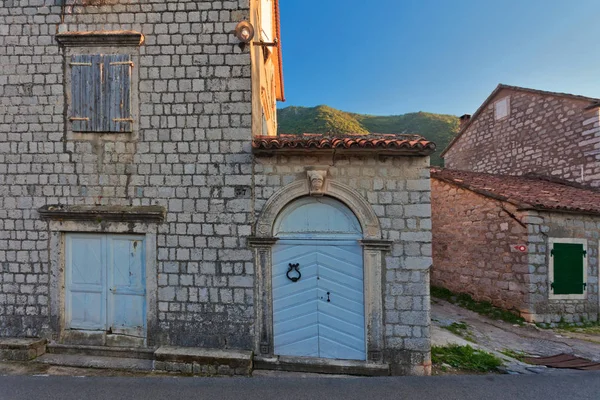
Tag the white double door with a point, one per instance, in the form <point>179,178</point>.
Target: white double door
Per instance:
<point>321,314</point>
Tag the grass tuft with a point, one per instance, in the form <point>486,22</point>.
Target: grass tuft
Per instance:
<point>481,307</point>
<point>465,358</point>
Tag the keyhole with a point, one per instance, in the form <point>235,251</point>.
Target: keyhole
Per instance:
<point>328,299</point>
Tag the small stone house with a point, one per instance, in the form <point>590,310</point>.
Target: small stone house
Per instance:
<point>526,244</point>
<point>519,131</point>
<point>147,201</point>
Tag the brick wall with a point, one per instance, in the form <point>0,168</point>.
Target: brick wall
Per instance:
<point>544,134</point>
<point>473,247</point>
<point>398,189</point>
<point>542,226</point>
<point>190,154</point>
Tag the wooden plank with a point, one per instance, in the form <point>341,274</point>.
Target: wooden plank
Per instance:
<point>117,92</point>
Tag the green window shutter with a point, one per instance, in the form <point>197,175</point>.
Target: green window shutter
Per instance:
<point>85,93</point>
<point>117,93</point>
<point>568,268</point>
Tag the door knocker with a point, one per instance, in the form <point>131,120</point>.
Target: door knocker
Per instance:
<point>292,268</point>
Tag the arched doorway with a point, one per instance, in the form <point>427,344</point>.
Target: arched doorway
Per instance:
<point>318,281</point>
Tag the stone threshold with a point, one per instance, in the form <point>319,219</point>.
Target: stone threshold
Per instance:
<point>186,360</point>
<point>102,351</point>
<point>321,365</point>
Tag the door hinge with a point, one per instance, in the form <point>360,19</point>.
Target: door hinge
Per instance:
<point>585,253</point>
<point>551,252</point>
<point>552,286</point>
<point>78,119</point>
<point>584,286</point>
<point>80,64</point>
<point>122,119</point>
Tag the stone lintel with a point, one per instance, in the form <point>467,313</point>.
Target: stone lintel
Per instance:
<point>100,38</point>
<point>103,213</point>
<point>376,244</point>
<point>254,241</point>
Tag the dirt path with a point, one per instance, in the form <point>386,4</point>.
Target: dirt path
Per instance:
<point>497,336</point>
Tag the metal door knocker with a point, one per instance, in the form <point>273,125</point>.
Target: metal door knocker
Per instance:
<point>292,268</point>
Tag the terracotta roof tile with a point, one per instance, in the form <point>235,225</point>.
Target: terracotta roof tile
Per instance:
<point>534,193</point>
<point>410,144</point>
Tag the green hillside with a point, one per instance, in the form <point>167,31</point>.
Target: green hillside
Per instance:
<point>438,128</point>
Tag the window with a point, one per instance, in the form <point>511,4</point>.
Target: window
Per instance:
<point>101,93</point>
<point>568,268</point>
<point>502,108</point>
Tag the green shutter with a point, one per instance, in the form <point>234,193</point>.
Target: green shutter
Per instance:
<point>568,268</point>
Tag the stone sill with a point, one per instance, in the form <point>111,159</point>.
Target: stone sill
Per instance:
<point>100,38</point>
<point>103,213</point>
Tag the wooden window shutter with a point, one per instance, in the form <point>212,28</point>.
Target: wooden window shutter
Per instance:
<point>568,268</point>
<point>117,93</point>
<point>85,93</point>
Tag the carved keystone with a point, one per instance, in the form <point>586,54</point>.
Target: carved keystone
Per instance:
<point>316,179</point>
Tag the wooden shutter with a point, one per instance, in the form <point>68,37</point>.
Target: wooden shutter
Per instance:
<point>85,93</point>
<point>117,93</point>
<point>568,268</point>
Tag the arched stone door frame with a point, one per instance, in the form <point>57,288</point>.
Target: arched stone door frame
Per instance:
<point>374,249</point>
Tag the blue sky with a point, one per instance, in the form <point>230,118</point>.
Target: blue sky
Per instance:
<point>387,57</point>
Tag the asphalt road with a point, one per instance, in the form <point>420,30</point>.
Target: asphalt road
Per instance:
<point>576,385</point>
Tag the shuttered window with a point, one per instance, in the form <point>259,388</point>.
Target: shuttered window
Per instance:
<point>568,269</point>
<point>101,93</point>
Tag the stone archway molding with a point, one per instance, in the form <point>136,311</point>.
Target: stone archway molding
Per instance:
<point>374,250</point>
<point>300,188</point>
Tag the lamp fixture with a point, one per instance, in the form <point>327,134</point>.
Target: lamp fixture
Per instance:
<point>244,31</point>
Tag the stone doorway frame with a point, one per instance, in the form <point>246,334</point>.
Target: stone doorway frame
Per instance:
<point>374,249</point>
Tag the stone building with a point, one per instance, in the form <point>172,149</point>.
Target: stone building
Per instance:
<point>524,244</point>
<point>519,131</point>
<point>148,202</point>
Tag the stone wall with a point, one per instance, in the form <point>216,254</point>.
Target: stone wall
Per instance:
<point>474,239</point>
<point>190,153</point>
<point>544,134</point>
<point>542,226</point>
<point>398,190</point>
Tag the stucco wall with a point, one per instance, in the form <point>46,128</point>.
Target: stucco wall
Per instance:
<point>544,134</point>
<point>474,252</point>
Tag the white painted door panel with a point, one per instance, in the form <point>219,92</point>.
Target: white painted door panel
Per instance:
<point>322,314</point>
<point>85,282</point>
<point>127,289</point>
<point>105,283</point>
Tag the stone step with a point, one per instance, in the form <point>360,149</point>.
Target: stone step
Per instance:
<point>21,349</point>
<point>80,361</point>
<point>322,366</point>
<point>199,361</point>
<point>102,351</point>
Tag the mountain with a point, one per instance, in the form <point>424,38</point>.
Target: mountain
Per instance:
<point>438,128</point>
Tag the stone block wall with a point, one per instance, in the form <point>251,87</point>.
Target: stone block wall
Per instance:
<point>543,134</point>
<point>190,153</point>
<point>474,239</point>
<point>541,226</point>
<point>398,190</point>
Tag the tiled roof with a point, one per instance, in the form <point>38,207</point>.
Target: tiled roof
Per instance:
<point>401,144</point>
<point>527,193</point>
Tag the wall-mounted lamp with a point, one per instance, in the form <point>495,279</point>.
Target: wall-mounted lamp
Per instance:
<point>244,31</point>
